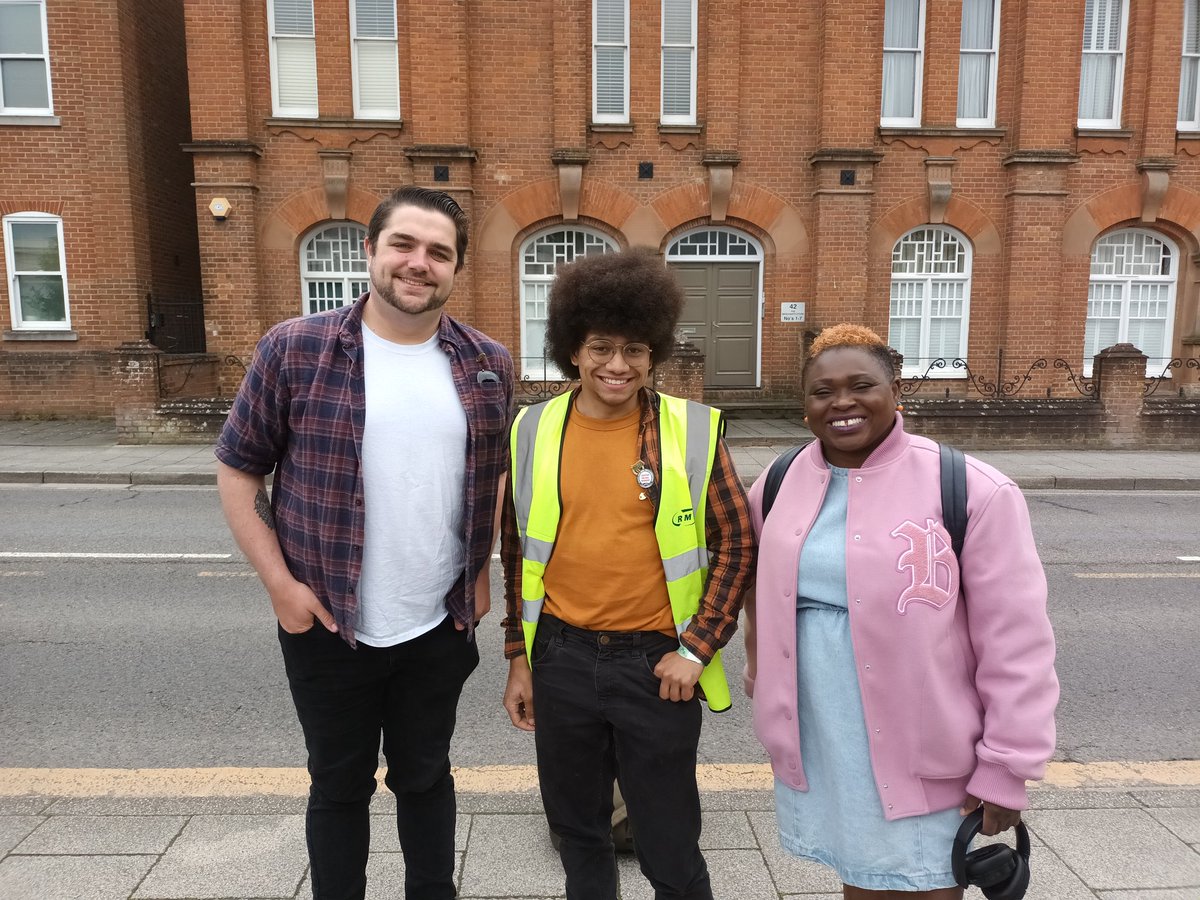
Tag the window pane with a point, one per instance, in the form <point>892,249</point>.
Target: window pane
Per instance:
<point>610,81</point>
<point>677,81</point>
<point>677,21</point>
<point>973,93</point>
<point>375,18</point>
<point>1187,90</point>
<point>296,71</point>
<point>35,247</point>
<point>24,83</point>
<point>901,21</point>
<point>42,298</point>
<point>21,28</point>
<point>1096,86</point>
<point>977,24</point>
<point>899,85</point>
<point>294,17</point>
<point>1191,31</point>
<point>610,21</point>
<point>378,87</point>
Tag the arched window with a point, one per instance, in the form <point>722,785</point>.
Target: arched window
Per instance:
<point>1131,296</point>
<point>333,266</point>
<point>540,258</point>
<point>930,298</point>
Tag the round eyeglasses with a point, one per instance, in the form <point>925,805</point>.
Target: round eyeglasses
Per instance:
<point>602,351</point>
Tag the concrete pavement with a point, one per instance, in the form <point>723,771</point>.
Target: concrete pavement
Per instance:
<point>65,452</point>
<point>1133,841</point>
<point>1104,831</point>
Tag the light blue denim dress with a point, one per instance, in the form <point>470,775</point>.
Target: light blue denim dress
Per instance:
<point>839,821</point>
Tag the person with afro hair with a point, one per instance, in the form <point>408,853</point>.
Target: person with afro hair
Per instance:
<point>898,685</point>
<point>626,546</point>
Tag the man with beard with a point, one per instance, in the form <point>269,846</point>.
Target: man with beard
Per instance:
<point>384,424</point>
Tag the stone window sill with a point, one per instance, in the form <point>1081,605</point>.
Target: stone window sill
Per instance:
<point>32,335</point>
<point>37,121</point>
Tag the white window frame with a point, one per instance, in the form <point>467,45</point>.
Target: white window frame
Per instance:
<point>44,56</point>
<point>993,55</point>
<point>1157,356</point>
<point>539,368</point>
<point>1189,119</point>
<point>352,279</point>
<point>297,111</point>
<point>678,118</point>
<point>1113,120</point>
<point>358,44</point>
<point>918,76</point>
<point>920,364</point>
<point>19,322</point>
<point>599,118</point>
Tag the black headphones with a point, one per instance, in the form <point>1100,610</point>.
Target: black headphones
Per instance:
<point>999,871</point>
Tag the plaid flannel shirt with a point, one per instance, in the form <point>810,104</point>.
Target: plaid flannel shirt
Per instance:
<point>729,537</point>
<point>300,412</point>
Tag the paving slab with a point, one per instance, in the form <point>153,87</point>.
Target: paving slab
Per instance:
<point>231,856</point>
<point>726,831</point>
<point>1156,798</point>
<point>385,877</point>
<point>517,845</point>
<point>97,835</point>
<point>24,806</point>
<point>177,806</point>
<point>1062,798</point>
<point>733,873</point>
<point>1180,894</point>
<point>1183,822</point>
<point>14,829</point>
<point>1113,849</point>
<point>71,877</point>
<point>790,875</point>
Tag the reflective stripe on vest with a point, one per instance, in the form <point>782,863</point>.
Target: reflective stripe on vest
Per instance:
<point>688,437</point>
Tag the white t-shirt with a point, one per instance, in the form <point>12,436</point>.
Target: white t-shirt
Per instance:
<point>414,461</point>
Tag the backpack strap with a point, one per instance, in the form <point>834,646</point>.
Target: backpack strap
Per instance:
<point>954,495</point>
<point>774,477</point>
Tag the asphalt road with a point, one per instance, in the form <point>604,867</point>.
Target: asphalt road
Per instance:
<point>145,662</point>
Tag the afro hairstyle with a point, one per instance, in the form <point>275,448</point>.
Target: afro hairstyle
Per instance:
<point>631,294</point>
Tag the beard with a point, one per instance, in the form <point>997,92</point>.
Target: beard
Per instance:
<point>383,288</point>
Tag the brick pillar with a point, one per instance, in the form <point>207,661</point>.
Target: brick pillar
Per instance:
<point>683,374</point>
<point>843,202</point>
<point>1120,377</point>
<point>135,378</point>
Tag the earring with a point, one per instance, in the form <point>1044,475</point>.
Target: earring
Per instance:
<point>899,407</point>
<point>806,420</point>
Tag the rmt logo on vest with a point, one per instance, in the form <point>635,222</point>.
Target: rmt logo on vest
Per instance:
<point>931,565</point>
<point>684,517</point>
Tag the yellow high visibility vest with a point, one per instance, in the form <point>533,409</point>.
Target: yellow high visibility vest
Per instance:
<point>688,435</point>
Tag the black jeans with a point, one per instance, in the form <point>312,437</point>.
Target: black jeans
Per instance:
<point>599,714</point>
<point>345,699</point>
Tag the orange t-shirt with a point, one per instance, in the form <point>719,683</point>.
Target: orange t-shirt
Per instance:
<point>606,573</point>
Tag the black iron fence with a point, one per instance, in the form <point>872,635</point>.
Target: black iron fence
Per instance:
<point>539,379</point>
<point>175,325</point>
<point>1007,377</point>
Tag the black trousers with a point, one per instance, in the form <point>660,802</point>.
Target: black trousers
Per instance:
<point>599,714</point>
<point>345,700</point>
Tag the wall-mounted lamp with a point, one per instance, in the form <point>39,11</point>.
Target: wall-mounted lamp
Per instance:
<point>219,207</point>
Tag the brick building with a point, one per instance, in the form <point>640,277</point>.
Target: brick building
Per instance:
<point>992,180</point>
<point>95,196</point>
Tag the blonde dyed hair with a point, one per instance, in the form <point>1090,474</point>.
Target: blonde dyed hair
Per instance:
<point>846,334</point>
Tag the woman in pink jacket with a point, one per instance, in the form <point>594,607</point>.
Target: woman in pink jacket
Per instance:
<point>894,690</point>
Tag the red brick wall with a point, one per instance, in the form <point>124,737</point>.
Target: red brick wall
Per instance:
<point>113,170</point>
<point>789,92</point>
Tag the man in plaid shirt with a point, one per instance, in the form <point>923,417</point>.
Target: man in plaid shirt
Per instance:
<point>384,424</point>
<point>627,548</point>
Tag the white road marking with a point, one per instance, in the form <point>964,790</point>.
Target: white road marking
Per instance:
<point>226,574</point>
<point>21,574</point>
<point>21,555</point>
<point>1188,558</point>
